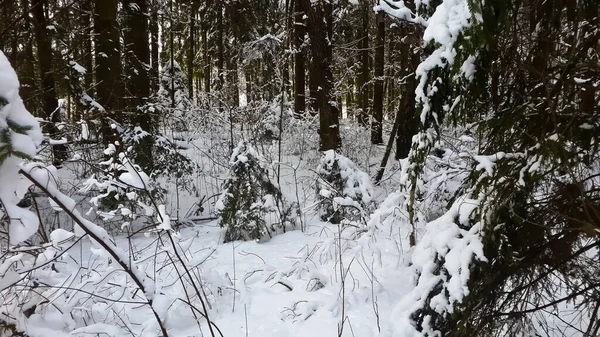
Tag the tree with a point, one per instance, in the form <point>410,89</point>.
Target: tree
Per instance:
<point>377,120</point>
<point>299,58</point>
<point>319,27</point>
<point>108,66</point>
<point>409,60</point>
<point>51,108</point>
<point>362,82</point>
<point>137,56</point>
<point>153,26</point>
<point>527,214</point>
<point>251,207</point>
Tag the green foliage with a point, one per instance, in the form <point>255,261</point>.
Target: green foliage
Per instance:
<point>251,207</point>
<point>535,113</point>
<point>6,148</point>
<point>344,192</point>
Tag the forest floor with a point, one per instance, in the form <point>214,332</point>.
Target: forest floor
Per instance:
<point>319,280</point>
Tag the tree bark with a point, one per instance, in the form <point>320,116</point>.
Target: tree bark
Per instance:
<point>108,66</point>
<point>319,26</point>
<point>27,75</point>
<point>407,110</point>
<point>299,58</point>
<point>88,58</point>
<point>50,103</point>
<point>206,56</point>
<point>137,51</point>
<point>377,120</point>
<point>363,77</point>
<point>154,82</point>
<point>191,52</point>
<point>388,149</point>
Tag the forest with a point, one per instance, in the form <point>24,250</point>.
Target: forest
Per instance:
<point>279,168</point>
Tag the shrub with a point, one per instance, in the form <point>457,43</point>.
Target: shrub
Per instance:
<point>251,207</point>
<point>343,190</point>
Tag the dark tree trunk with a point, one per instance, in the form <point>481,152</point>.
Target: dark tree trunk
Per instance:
<point>313,85</point>
<point>108,66</point>
<point>206,57</point>
<point>27,75</point>
<point>137,52</point>
<point>377,120</point>
<point>363,77</point>
<point>50,102</point>
<point>191,51</point>
<point>388,149</point>
<point>319,26</point>
<point>299,56</point>
<point>154,82</point>
<point>220,45</point>
<point>407,110</point>
<point>138,56</point>
<point>88,61</point>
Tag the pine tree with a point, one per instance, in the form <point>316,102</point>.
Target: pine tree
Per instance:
<point>251,207</point>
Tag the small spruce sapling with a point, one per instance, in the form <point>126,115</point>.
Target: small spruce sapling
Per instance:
<point>251,207</point>
<point>124,189</point>
<point>344,191</point>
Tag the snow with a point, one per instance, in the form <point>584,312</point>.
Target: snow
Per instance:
<point>448,21</point>
<point>133,177</point>
<point>77,67</point>
<point>23,223</point>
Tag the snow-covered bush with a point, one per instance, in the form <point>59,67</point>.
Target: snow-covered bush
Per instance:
<point>20,134</point>
<point>251,207</point>
<point>121,192</point>
<point>173,115</point>
<point>167,159</point>
<point>343,190</point>
<point>271,122</point>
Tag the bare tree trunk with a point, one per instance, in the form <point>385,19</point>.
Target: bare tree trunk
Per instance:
<point>319,26</point>
<point>191,52</point>
<point>407,110</point>
<point>299,56</point>
<point>27,75</point>
<point>138,56</point>
<point>206,56</point>
<point>88,58</point>
<point>388,149</point>
<point>108,66</point>
<point>377,120</point>
<point>220,46</point>
<point>50,102</point>
<point>154,47</point>
<point>363,77</point>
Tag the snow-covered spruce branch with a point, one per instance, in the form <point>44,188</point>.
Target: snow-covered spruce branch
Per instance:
<point>39,177</point>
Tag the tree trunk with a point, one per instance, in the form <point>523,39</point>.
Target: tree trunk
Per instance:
<point>319,26</point>
<point>363,77</point>
<point>313,85</point>
<point>377,120</point>
<point>88,61</point>
<point>138,56</point>
<point>108,66</point>
<point>137,52</point>
<point>220,46</point>
<point>50,102</point>
<point>27,75</point>
<point>299,71</point>
<point>207,65</point>
<point>388,149</point>
<point>407,110</point>
<point>154,82</point>
<point>191,52</point>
